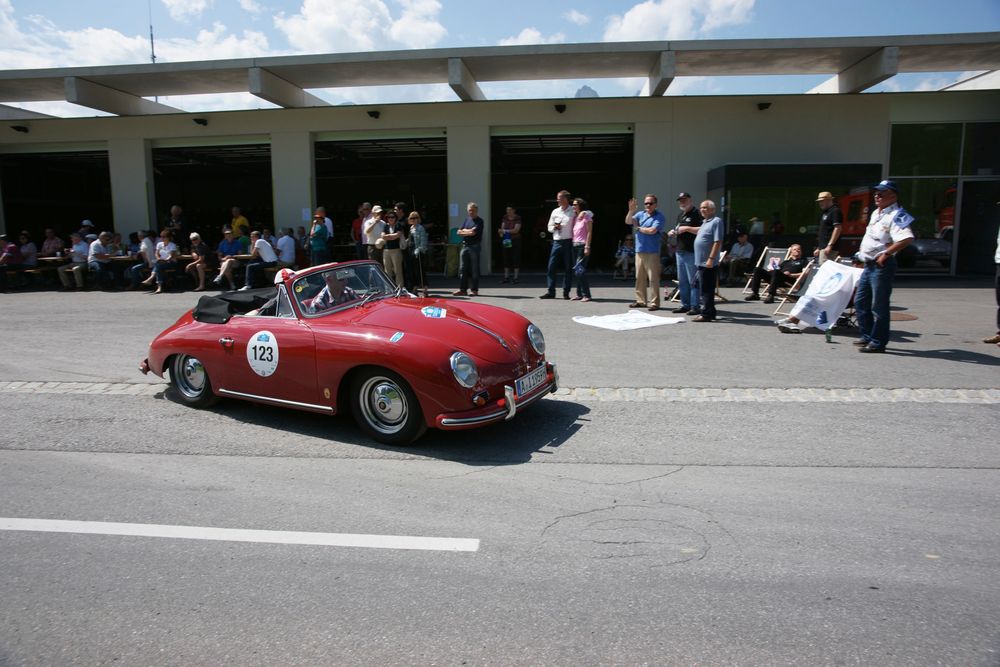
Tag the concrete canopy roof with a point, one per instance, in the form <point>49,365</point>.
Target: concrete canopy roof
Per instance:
<point>855,63</point>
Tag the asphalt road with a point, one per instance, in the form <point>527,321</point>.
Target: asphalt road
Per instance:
<point>843,511</point>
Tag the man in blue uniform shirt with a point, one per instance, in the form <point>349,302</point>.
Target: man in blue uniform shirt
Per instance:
<point>647,226</point>
<point>888,232</point>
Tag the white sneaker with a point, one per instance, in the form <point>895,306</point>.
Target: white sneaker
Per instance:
<point>217,280</point>
<point>244,288</point>
<point>789,327</point>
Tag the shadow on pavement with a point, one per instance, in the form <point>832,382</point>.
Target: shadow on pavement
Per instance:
<point>545,425</point>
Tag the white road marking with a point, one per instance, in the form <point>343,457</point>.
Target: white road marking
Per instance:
<point>241,535</point>
<point>615,394</point>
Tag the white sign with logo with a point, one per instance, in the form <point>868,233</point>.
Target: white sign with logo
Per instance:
<point>828,295</point>
<point>262,353</point>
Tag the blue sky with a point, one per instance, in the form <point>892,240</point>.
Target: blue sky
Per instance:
<point>59,33</point>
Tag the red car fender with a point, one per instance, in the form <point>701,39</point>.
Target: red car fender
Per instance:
<point>422,363</point>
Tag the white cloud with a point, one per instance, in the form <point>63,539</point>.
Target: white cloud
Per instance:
<point>182,10</point>
<point>533,36</point>
<point>576,17</point>
<point>324,26</point>
<point>251,6</point>
<point>675,19</point>
<point>43,45</point>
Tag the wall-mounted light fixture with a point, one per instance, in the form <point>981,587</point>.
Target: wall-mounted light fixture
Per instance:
<point>560,108</point>
<point>200,121</point>
<point>763,106</point>
<point>20,128</point>
<point>374,114</point>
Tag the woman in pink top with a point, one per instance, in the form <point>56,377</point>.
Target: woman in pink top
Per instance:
<point>510,239</point>
<point>583,227</point>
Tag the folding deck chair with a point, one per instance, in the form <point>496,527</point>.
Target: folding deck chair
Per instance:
<point>767,256</point>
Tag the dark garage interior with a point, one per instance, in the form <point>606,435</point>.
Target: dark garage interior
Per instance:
<point>528,171</point>
<point>55,190</point>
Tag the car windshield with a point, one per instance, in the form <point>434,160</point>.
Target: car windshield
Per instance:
<point>337,287</point>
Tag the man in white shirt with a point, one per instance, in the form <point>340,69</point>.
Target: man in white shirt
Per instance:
<point>147,257</point>
<point>887,233</point>
<point>996,258</point>
<point>561,257</point>
<point>372,229</point>
<point>99,259</point>
<point>263,257</point>
<point>78,262</point>
<point>286,249</point>
<point>739,258</point>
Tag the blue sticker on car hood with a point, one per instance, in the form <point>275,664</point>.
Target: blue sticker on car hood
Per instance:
<point>396,337</point>
<point>434,312</point>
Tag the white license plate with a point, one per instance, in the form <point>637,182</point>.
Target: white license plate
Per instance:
<point>526,383</point>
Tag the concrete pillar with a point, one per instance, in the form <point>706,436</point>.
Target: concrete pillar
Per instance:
<point>130,162</point>
<point>469,180</point>
<point>293,178</point>
<point>651,160</point>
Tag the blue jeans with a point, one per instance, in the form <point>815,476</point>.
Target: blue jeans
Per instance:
<point>871,302</point>
<point>582,283</point>
<point>160,268</point>
<point>105,276</point>
<point>135,274</point>
<point>255,266</point>
<point>687,280</point>
<point>468,268</point>
<point>561,258</point>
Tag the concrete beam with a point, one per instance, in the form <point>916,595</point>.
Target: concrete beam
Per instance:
<point>17,113</point>
<point>462,82</point>
<point>276,90</point>
<point>94,95</point>
<point>663,73</point>
<point>863,74</point>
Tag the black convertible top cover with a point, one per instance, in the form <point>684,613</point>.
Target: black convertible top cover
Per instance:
<point>219,309</point>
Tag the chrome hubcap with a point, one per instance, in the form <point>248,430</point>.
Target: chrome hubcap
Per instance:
<point>191,376</point>
<point>383,404</point>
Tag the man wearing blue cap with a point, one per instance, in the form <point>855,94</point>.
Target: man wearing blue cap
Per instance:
<point>888,232</point>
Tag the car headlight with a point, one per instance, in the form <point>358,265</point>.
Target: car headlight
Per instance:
<point>464,369</point>
<point>536,338</point>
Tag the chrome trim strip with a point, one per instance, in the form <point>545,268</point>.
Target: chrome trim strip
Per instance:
<point>452,421</point>
<point>487,332</point>
<point>280,401</point>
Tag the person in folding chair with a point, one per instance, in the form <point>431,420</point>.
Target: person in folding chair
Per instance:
<point>785,273</point>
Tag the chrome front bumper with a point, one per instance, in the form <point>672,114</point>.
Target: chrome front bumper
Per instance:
<point>503,410</point>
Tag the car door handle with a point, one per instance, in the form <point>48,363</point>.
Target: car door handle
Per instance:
<point>226,342</point>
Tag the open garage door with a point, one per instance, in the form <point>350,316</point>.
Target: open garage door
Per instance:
<point>207,181</point>
<point>383,170</point>
<point>528,171</point>
<point>55,190</point>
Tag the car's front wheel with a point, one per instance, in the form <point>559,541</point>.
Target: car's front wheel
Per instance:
<point>386,408</point>
<point>190,379</point>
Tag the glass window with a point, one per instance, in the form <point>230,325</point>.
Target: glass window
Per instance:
<point>931,201</point>
<point>982,149</point>
<point>925,149</point>
<point>284,305</point>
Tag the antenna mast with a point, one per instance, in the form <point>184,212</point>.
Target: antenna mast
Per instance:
<point>152,45</point>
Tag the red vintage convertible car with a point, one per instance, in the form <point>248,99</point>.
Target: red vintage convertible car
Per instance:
<point>343,336</point>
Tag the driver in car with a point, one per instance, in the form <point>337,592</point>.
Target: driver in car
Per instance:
<point>334,293</point>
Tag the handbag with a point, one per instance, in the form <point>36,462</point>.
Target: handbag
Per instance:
<point>579,268</point>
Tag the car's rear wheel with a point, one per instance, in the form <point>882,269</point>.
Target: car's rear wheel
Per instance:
<point>190,379</point>
<point>386,408</point>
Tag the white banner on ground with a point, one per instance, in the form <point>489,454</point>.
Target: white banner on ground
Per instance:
<point>828,295</point>
<point>626,321</point>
